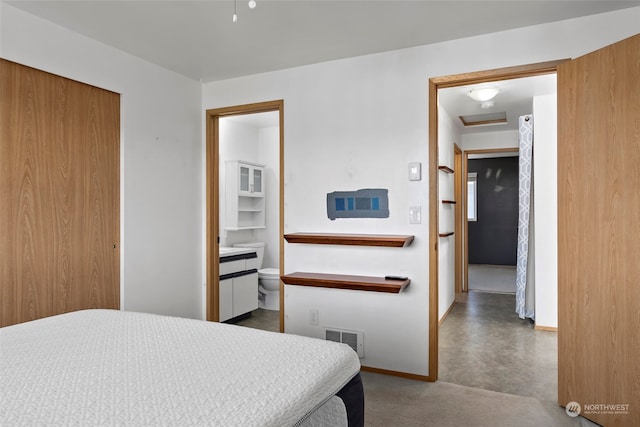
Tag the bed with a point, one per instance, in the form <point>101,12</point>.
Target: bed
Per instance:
<point>108,367</point>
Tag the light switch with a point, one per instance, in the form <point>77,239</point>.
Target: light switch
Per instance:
<point>415,215</point>
<point>415,171</point>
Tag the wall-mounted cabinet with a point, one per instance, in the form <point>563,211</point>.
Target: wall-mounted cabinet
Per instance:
<point>245,196</point>
<point>250,178</point>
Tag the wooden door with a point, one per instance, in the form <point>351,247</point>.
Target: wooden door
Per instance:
<point>59,195</point>
<point>599,234</point>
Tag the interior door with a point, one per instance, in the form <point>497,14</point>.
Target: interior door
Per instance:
<point>59,195</point>
<point>599,234</point>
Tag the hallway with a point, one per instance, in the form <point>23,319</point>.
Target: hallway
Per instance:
<point>484,344</point>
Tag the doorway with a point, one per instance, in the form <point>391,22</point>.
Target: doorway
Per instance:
<point>215,235</point>
<point>491,224</point>
<point>434,85</point>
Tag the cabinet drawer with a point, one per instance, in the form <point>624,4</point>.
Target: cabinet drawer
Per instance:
<point>252,263</point>
<point>232,266</point>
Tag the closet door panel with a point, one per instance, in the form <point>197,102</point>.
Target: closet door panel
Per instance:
<point>26,293</point>
<point>59,196</point>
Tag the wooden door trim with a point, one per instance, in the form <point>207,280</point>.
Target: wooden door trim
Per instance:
<point>213,197</point>
<point>436,83</point>
<point>460,209</point>
<point>497,74</point>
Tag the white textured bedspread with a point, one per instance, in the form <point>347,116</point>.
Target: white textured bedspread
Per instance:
<point>107,367</point>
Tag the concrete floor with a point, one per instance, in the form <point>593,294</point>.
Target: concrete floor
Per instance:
<point>484,344</point>
<point>267,320</point>
<point>492,278</point>
<point>393,401</point>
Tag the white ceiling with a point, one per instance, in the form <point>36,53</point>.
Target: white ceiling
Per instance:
<point>515,99</point>
<point>198,39</point>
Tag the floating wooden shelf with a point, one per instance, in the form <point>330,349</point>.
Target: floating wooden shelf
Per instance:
<point>340,281</point>
<point>445,169</point>
<point>449,202</point>
<point>388,240</point>
<point>446,234</point>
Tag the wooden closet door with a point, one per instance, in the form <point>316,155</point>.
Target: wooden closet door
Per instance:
<point>59,195</point>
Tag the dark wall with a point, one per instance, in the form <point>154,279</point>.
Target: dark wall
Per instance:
<point>493,238</point>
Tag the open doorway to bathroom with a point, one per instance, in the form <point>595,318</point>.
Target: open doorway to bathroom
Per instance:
<point>245,215</point>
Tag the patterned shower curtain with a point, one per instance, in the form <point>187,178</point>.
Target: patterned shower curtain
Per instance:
<point>525,290</point>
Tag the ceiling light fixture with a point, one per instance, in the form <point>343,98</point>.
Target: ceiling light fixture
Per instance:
<point>252,5</point>
<point>484,94</point>
<point>235,15</point>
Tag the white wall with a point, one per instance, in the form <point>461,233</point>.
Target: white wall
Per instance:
<point>269,155</point>
<point>545,187</point>
<point>161,152</point>
<point>485,140</point>
<point>448,135</point>
<point>357,123</point>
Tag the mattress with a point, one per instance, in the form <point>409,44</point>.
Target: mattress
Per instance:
<point>108,367</point>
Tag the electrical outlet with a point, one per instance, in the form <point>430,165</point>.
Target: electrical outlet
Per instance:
<point>314,317</point>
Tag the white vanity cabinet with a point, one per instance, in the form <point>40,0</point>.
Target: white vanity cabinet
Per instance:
<point>238,283</point>
<point>244,196</point>
<point>226,299</point>
<point>245,293</point>
<point>238,295</point>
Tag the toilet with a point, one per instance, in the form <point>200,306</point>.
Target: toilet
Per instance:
<point>268,279</point>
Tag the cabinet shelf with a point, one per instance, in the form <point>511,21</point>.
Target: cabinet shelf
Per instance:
<point>449,202</point>
<point>340,281</point>
<point>387,240</point>
<point>446,169</point>
<point>450,233</point>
